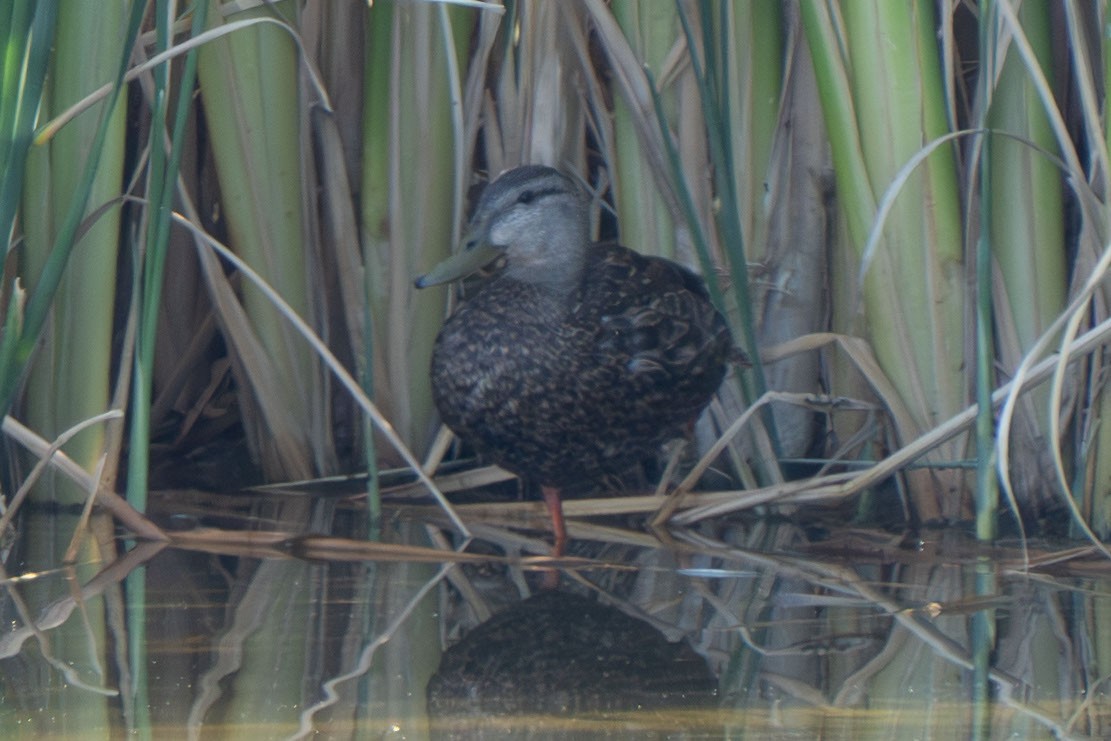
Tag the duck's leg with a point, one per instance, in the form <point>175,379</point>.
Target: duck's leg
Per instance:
<point>555,511</point>
<point>549,579</point>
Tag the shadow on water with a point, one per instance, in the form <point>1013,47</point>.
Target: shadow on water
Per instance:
<point>753,628</point>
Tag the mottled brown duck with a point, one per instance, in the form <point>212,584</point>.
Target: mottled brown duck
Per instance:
<point>576,360</point>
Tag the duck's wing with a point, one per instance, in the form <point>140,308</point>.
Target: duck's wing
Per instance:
<point>654,319</point>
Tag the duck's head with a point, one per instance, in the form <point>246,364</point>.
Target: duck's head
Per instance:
<point>534,216</point>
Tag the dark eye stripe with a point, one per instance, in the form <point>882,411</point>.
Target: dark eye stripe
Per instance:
<point>530,196</point>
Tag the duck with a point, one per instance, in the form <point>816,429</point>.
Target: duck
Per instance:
<point>576,360</point>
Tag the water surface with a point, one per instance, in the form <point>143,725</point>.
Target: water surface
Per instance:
<point>249,627</point>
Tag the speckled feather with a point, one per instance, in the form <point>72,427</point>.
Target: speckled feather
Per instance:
<point>568,386</point>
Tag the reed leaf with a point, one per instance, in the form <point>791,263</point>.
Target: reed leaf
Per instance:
<point>71,276</point>
<point>788,215</point>
<point>409,208</point>
<point>1028,245</point>
<point>252,104</point>
<point>651,29</point>
<point>162,177</point>
<point>880,87</point>
<point>1096,438</point>
<point>27,32</point>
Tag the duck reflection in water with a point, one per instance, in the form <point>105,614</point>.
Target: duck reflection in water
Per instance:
<point>559,664</point>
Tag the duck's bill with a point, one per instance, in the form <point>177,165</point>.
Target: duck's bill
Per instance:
<point>458,266</point>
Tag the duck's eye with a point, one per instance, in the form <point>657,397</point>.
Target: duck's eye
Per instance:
<point>526,196</point>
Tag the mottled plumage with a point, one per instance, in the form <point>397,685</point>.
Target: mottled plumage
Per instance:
<point>576,360</point>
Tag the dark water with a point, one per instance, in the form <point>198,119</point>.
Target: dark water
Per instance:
<point>732,630</point>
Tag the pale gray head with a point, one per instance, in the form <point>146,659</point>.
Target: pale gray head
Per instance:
<point>534,216</point>
<point>538,217</point>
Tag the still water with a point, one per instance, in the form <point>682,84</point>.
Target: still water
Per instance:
<point>247,627</point>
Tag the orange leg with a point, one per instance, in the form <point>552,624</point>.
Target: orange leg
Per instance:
<point>550,578</point>
<point>555,511</point>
